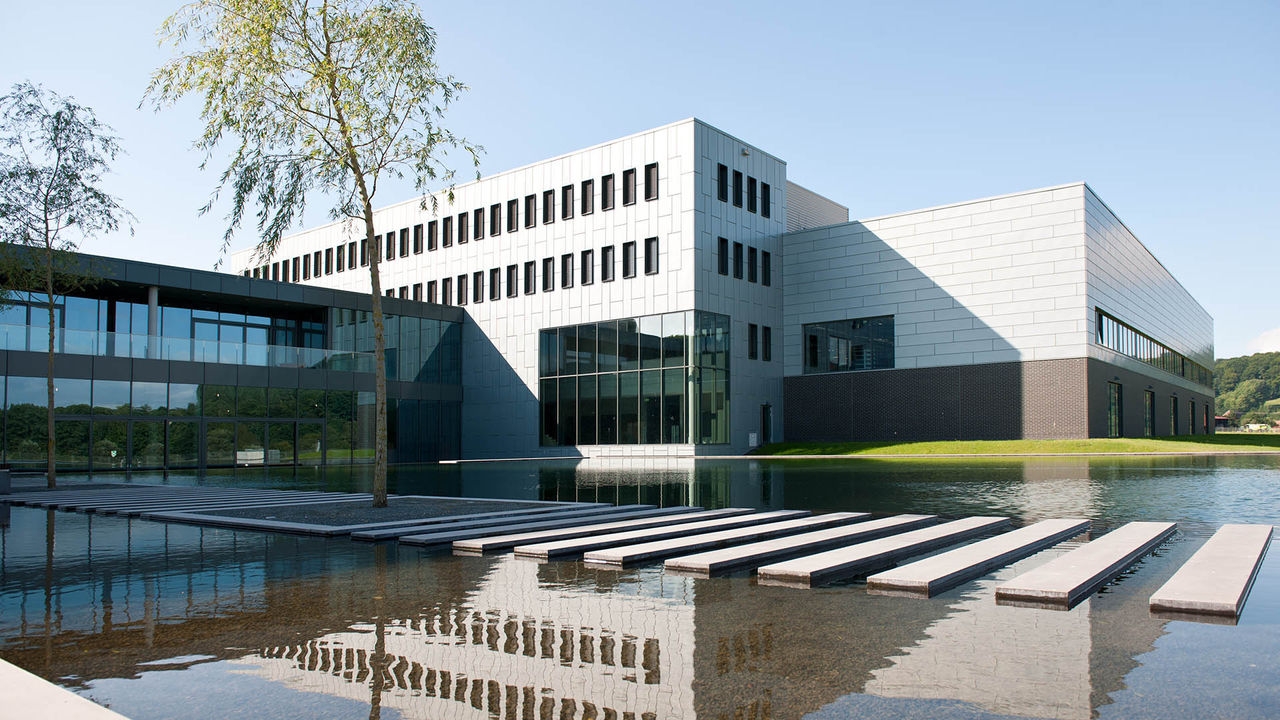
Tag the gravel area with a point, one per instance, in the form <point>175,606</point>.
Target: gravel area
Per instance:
<point>360,513</point>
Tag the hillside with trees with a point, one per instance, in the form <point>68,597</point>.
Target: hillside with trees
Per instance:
<point>1245,385</point>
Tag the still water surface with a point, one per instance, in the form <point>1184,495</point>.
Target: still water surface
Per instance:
<point>171,621</point>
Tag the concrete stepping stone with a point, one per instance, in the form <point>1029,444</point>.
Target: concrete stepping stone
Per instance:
<point>1066,580</point>
<point>448,537</point>
<point>646,551</point>
<point>507,524</point>
<point>1217,579</point>
<point>870,556</point>
<point>925,578</point>
<point>506,542</point>
<point>577,546</point>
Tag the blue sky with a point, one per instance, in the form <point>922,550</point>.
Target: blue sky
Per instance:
<point>1169,110</point>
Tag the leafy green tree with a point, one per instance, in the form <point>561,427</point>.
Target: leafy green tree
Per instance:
<point>1244,383</point>
<point>53,155</point>
<point>329,97</point>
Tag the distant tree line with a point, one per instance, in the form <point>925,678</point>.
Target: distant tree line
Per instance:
<point>1246,386</point>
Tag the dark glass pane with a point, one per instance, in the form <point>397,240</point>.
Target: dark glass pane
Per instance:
<point>146,449</point>
<point>218,400</point>
<point>586,349</point>
<point>568,351</point>
<point>70,396</point>
<point>282,402</point>
<point>220,443</point>
<point>629,408</point>
<point>607,347</point>
<point>184,443</point>
<point>628,345</point>
<point>312,402</point>
<point>184,399</point>
<point>674,412</point>
<point>111,397</point>
<point>251,402</point>
<point>548,353</point>
<point>674,340</point>
<point>548,395</point>
<point>150,398</point>
<point>607,393</point>
<point>73,444</point>
<point>568,427</point>
<point>587,410</point>
<point>651,341</point>
<point>110,444</point>
<point>651,407</point>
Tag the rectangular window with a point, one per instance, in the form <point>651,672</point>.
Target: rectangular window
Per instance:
<point>737,188</point>
<point>294,274</point>
<point>306,267</point>
<point>391,292</point>
<point>651,256</point>
<point>446,291</point>
<point>462,227</point>
<point>446,232</point>
<point>1191,417</point>
<point>766,268</point>
<point>417,292</point>
<point>751,264</point>
<point>841,345</point>
<point>328,261</point>
<point>751,194</point>
<point>477,286</point>
<point>1148,413</point>
<point>477,224</point>
<point>530,210</point>
<point>629,259</point>
<point>495,219</point>
<point>588,196</point>
<point>651,181</point>
<point>629,187</point>
<point>462,289</point>
<point>566,270</point>
<point>722,256</point>
<point>764,200</point>
<point>513,280</point>
<point>753,341</point>
<point>275,271</point>
<point>737,260</point>
<point>548,274</point>
<point>431,291</point>
<point>316,259</point>
<point>1173,416</point>
<point>513,215</point>
<point>364,252</point>
<point>530,279</point>
<point>606,263</point>
<point>389,246</point>
<point>548,207</point>
<point>340,258</point>
<point>417,239</point>
<point>722,183</point>
<point>588,267</point>
<point>495,283</point>
<point>1115,411</point>
<point>566,202</point>
<point>433,237</point>
<point>766,343</point>
<point>606,192</point>
<point>404,242</point>
<point>404,292</point>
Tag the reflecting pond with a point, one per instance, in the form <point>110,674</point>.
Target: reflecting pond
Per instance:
<point>162,621</point>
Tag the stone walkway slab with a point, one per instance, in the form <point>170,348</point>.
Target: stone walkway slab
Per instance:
<point>754,554</point>
<point>448,537</point>
<point>643,552</point>
<point>25,695</point>
<point>1066,580</point>
<point>571,515</point>
<point>493,543</point>
<point>574,547</point>
<point>925,578</point>
<point>876,554</point>
<point>1216,580</point>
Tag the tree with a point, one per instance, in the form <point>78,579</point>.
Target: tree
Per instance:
<point>319,96</point>
<point>53,154</point>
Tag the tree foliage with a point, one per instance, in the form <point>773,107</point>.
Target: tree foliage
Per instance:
<point>1245,384</point>
<point>329,97</point>
<point>53,156</point>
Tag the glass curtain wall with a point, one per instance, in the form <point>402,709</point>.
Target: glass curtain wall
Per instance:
<point>843,345</point>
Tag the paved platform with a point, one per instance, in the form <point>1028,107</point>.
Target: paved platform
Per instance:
<point>448,537</point>
<point>1217,579</point>
<point>493,543</point>
<point>1064,581</point>
<point>625,555</point>
<point>578,546</point>
<point>23,695</point>
<point>752,555</point>
<point>925,578</point>
<point>870,556</point>
<point>504,524</point>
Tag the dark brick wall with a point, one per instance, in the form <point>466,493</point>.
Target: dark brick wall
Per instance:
<point>1133,385</point>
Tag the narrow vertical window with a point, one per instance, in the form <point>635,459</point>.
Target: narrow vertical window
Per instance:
<point>766,268</point>
<point>766,343</point>
<point>629,259</point>
<point>588,196</point>
<point>364,252</point>
<point>328,261</point>
<point>513,215</point>
<point>495,284</point>
<point>340,257</point>
<point>477,286</point>
<point>530,279</point>
<point>446,232</point>
<point>462,227</point>
<point>404,242</point>
<point>530,210</point>
<point>1115,410</point>
<point>513,280</point>
<point>629,187</point>
<point>753,341</point>
<point>737,188</point>
<point>548,274</point>
<point>566,202</point>
<point>351,255</point>
<point>431,291</point>
<point>722,183</point>
<point>477,224</point>
<point>606,263</point>
<point>651,181</point>
<point>495,219</point>
<point>433,236</point>
<point>566,270</point>
<point>315,263</point>
<point>462,289</point>
<point>390,243</point>
<point>606,192</point>
<point>751,264</point>
<point>548,207</point>
<point>404,292</point>
<point>765,200</point>
<point>295,262</point>
<point>737,260</point>
<point>417,239</point>
<point>588,267</point>
<point>275,271</point>
<point>417,292</point>
<point>446,291</point>
<point>751,194</point>
<point>651,256</point>
<point>722,256</point>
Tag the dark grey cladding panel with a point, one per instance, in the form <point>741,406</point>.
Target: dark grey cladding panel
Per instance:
<point>151,370</point>
<point>28,364</point>
<point>176,278</point>
<point>319,296</point>
<point>313,379</point>
<point>237,285</point>
<point>364,382</point>
<point>4,363</point>
<point>252,375</point>
<point>108,269</point>
<point>289,292</point>
<point>283,377</point>
<point>143,273</point>
<point>186,372</point>
<point>70,366</point>
<point>264,289</point>
<point>335,380</point>
<point>206,282</point>
<point>113,368</point>
<point>220,374</point>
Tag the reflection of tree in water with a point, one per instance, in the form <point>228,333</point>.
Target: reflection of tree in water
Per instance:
<point>378,662</point>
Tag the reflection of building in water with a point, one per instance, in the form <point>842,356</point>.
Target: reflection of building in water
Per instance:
<point>1056,488</point>
<point>665,482</point>
<point>515,647</point>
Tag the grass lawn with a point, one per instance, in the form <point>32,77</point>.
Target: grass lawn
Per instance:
<point>1219,443</point>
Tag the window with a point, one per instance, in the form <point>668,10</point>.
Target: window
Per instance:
<point>766,268</point>
<point>446,291</point>
<point>588,267</point>
<point>513,215</point>
<point>391,292</point>
<point>328,261</point>
<point>651,181</point>
<point>753,341</point>
<point>417,239</point>
<point>651,256</point>
<point>566,202</point>
<point>364,253</point>
<point>530,281</point>
<point>1148,413</point>
<point>588,196</point>
<point>751,194</point>
<point>315,263</point>
<point>340,258</point>
<point>275,271</point>
<point>766,343</point>
<point>629,187</point>
<point>764,200</point>
<point>751,264</point>
<point>1115,411</point>
<point>294,274</point>
<point>606,192</point>
<point>495,219</point>
<point>1120,337</point>
<point>722,256</point>
<point>548,274</point>
<point>1191,417</point>
<point>417,292</point>
<point>462,227</point>
<point>513,280</point>
<point>629,259</point>
<point>841,345</point>
<point>606,263</point>
<point>404,292</point>
<point>446,232</point>
<point>477,224</point>
<point>737,188</point>
<point>566,270</point>
<point>404,242</point>
<point>1173,416</point>
<point>548,207</point>
<point>432,236</point>
<point>462,289</point>
<point>495,284</point>
<point>351,255</point>
<point>306,267</point>
<point>391,246</point>
<point>530,210</point>
<point>722,183</point>
<point>477,286</point>
<point>737,260</point>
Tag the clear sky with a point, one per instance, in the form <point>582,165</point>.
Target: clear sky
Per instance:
<point>1169,110</point>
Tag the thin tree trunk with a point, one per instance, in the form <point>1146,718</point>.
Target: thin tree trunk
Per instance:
<point>51,445</point>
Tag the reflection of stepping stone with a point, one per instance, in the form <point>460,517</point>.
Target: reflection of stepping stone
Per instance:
<point>1216,580</point>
